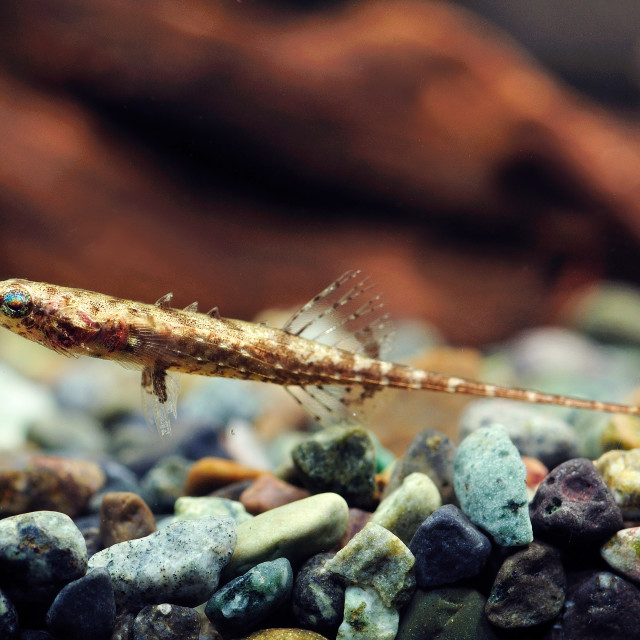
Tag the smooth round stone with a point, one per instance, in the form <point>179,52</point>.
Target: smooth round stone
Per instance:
<point>602,606</point>
<point>448,547</point>
<point>85,608</point>
<point>376,558</point>
<point>431,453</point>
<point>489,478</point>
<point>268,492</point>
<point>209,474</point>
<point>285,634</point>
<point>243,603</point>
<point>166,622</point>
<point>622,553</point>
<point>190,508</point>
<point>124,516</point>
<point>295,531</point>
<point>620,432</point>
<point>449,613</point>
<point>179,564</point>
<point>366,616</point>
<point>318,596</point>
<point>341,460</point>
<point>40,552</point>
<point>535,434</point>
<point>164,483</point>
<point>573,507</point>
<point>621,472</point>
<point>529,589</point>
<point>404,510</point>
<point>9,628</point>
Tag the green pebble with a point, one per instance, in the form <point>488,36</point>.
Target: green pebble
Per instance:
<point>622,553</point>
<point>375,557</point>
<point>449,613</point>
<point>489,478</point>
<point>190,508</point>
<point>341,460</point>
<point>244,602</point>
<point>366,616</point>
<point>621,472</point>
<point>295,531</point>
<point>407,507</point>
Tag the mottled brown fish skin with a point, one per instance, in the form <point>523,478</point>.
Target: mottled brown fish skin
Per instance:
<point>158,338</point>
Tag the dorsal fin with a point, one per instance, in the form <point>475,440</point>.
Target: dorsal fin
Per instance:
<point>165,301</point>
<point>193,307</point>
<point>214,313</point>
<point>348,314</point>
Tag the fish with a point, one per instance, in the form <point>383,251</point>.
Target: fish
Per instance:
<point>329,355</point>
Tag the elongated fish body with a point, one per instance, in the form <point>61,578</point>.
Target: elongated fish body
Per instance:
<point>327,354</point>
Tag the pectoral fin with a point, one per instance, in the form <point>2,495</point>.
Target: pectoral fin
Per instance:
<point>159,398</point>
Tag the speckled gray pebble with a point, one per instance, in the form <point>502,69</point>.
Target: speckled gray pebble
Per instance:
<point>40,552</point>
<point>179,564</point>
<point>190,508</point>
<point>489,478</point>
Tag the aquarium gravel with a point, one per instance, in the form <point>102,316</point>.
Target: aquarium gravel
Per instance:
<point>235,529</point>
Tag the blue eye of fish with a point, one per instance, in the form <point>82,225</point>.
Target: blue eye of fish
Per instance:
<point>16,303</point>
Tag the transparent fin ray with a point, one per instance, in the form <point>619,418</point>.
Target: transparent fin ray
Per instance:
<point>334,404</point>
<point>159,399</point>
<point>348,314</point>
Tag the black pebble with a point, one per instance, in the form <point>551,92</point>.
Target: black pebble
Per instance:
<point>85,608</point>
<point>166,622</point>
<point>573,507</point>
<point>8,618</point>
<point>448,547</point>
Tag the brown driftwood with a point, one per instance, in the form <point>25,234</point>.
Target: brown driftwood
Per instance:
<point>423,124</point>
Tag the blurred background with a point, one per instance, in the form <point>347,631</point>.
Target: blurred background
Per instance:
<point>480,159</point>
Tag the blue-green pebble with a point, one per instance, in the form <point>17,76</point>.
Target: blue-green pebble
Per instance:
<point>489,478</point>
<point>366,616</point>
<point>244,602</point>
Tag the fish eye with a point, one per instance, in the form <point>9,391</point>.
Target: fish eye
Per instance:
<point>16,303</point>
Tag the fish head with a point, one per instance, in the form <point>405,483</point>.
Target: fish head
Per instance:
<point>47,314</point>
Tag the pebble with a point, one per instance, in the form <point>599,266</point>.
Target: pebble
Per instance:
<point>602,606</point>
<point>404,510</point>
<point>47,483</point>
<point>117,478</point>
<point>179,564</point>
<point>294,531</point>
<point>378,559</point>
<point>164,483</point>
<point>232,491</point>
<point>268,492</point>
<point>536,472</point>
<point>449,613</point>
<point>529,589</point>
<point>535,434</point>
<point>621,432</point>
<point>490,482</point>
<point>8,618</point>
<point>242,604</point>
<point>621,472</point>
<point>573,506</point>
<point>190,508</point>
<point>84,608</point>
<point>285,634</point>
<point>340,460</point>
<point>431,453</point>
<point>622,553</point>
<point>366,616</point>
<point>40,552</point>
<point>318,596</point>
<point>448,547</point>
<point>209,474</point>
<point>124,516</point>
<point>166,622</point>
